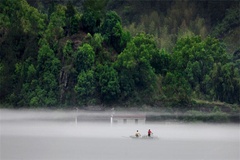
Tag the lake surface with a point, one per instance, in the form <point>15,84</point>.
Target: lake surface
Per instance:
<point>40,135</point>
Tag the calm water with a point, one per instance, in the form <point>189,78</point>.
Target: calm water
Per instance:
<point>39,135</point>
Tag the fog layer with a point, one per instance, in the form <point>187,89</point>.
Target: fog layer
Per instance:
<point>57,135</point>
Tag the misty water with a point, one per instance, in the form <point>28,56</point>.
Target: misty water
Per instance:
<point>71,135</point>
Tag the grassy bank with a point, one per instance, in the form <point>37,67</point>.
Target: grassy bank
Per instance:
<point>199,111</point>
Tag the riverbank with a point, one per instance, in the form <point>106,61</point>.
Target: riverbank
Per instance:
<point>198,111</point>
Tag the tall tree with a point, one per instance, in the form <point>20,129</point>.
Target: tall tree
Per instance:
<point>226,82</point>
<point>21,26</point>
<point>134,66</point>
<point>47,90</point>
<point>56,25</point>
<point>108,83</point>
<point>72,19</point>
<point>85,57</point>
<point>93,14</point>
<point>113,32</point>
<point>198,55</point>
<point>86,87</point>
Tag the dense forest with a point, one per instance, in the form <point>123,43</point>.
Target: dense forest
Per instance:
<point>107,52</point>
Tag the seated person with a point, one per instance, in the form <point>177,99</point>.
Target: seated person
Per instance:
<point>137,134</point>
<point>149,133</point>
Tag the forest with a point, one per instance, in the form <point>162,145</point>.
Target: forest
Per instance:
<point>56,53</point>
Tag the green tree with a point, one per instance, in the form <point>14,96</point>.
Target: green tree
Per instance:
<point>46,91</point>
<point>161,62</point>
<point>19,15</point>
<point>108,83</point>
<point>236,59</point>
<point>96,42</point>
<point>94,11</point>
<point>85,58</point>
<point>21,26</point>
<point>226,82</point>
<point>56,25</point>
<point>90,22</point>
<point>230,21</point>
<point>27,75</point>
<point>134,66</point>
<point>194,58</point>
<point>72,19</point>
<point>85,87</point>
<point>93,14</point>
<point>113,33</point>
<point>177,88</point>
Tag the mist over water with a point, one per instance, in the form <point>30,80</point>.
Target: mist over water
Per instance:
<point>68,135</point>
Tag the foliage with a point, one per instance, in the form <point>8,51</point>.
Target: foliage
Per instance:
<point>55,28</point>
<point>21,26</point>
<point>72,19</point>
<point>84,58</point>
<point>40,86</point>
<point>134,66</point>
<point>96,42</point>
<point>46,92</point>
<point>161,62</point>
<point>90,21</point>
<point>108,83</point>
<point>227,82</point>
<point>196,60</point>
<point>176,88</point>
<point>60,55</point>
<point>18,14</point>
<point>230,21</point>
<point>85,87</point>
<point>97,5</point>
<point>93,14</point>
<point>113,33</point>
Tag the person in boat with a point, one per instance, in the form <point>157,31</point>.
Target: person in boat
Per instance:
<point>137,134</point>
<point>149,133</point>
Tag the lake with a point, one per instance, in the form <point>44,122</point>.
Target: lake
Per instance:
<point>55,135</point>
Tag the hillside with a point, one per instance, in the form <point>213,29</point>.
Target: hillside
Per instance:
<point>170,20</point>
<point>165,19</point>
<point>128,53</point>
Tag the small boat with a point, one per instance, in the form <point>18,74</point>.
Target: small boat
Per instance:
<point>144,137</point>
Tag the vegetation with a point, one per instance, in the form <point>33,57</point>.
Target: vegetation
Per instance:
<point>61,54</point>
